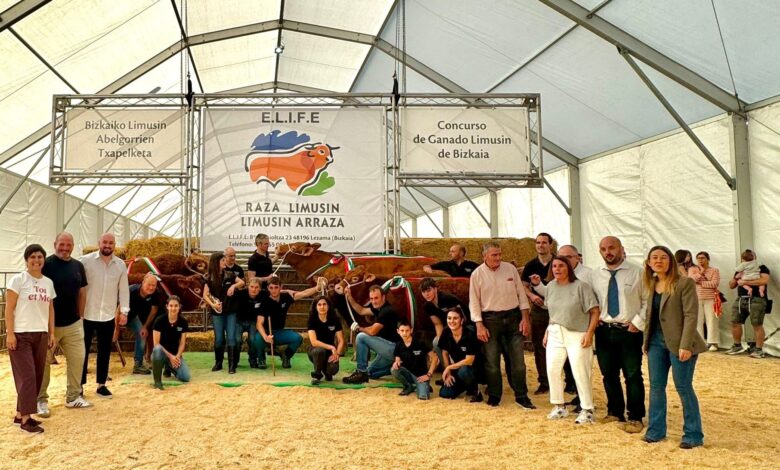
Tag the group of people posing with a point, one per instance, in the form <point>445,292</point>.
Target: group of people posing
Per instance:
<point>564,307</point>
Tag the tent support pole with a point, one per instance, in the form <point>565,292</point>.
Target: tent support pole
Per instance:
<point>741,197</point>
<point>731,182</point>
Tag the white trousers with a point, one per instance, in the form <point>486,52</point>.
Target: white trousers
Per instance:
<point>563,343</point>
<point>707,314</point>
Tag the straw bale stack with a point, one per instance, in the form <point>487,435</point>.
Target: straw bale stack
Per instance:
<point>514,250</point>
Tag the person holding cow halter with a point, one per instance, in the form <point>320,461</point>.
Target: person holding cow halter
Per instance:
<point>380,337</point>
<point>218,291</point>
<point>271,320</point>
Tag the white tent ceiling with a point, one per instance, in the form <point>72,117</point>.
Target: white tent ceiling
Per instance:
<point>706,56</point>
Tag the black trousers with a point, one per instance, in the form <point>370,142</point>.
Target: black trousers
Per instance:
<point>618,350</point>
<point>319,357</point>
<point>104,332</point>
<point>540,319</point>
<point>505,339</point>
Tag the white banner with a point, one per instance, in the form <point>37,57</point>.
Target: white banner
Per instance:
<point>294,174</point>
<point>124,139</point>
<point>458,140</point>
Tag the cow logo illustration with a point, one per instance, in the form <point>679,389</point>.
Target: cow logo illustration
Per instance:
<point>291,158</point>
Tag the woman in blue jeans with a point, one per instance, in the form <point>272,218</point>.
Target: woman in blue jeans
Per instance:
<point>218,294</point>
<point>671,341</point>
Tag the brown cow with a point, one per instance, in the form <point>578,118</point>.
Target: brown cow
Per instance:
<point>360,279</point>
<point>172,264</point>
<point>188,288</point>
<point>306,258</point>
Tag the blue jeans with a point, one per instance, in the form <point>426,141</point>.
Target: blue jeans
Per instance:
<point>224,326</point>
<point>292,339</point>
<point>464,380</point>
<point>253,341</point>
<point>140,343</point>
<point>659,360</point>
<point>182,372</point>
<point>409,380</point>
<point>384,350</point>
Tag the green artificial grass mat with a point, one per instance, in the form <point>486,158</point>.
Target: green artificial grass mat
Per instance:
<point>299,375</point>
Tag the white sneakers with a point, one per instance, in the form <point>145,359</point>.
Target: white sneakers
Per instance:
<point>558,412</point>
<point>79,402</point>
<point>585,417</point>
<point>43,410</point>
<point>713,348</point>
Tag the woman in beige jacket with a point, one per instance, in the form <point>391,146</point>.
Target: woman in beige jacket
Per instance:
<point>671,341</point>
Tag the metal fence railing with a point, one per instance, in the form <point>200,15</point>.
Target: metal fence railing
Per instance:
<point>5,276</point>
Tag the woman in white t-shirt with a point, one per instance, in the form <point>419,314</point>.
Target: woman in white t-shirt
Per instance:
<point>574,316</point>
<point>29,320</point>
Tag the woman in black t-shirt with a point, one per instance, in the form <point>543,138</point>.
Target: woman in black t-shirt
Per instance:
<point>170,334</point>
<point>218,293</point>
<point>326,338</point>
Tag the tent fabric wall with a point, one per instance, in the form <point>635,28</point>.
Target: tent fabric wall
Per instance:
<point>83,225</point>
<point>526,212</point>
<point>764,142</point>
<point>666,193</point>
<point>31,217</point>
<point>466,222</point>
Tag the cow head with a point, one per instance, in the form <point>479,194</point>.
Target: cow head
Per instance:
<point>197,263</point>
<point>321,153</point>
<point>358,276</point>
<point>298,248</point>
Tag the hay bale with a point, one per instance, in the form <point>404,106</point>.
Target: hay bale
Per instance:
<point>120,251</point>
<point>200,341</point>
<point>157,246</point>
<point>514,250</point>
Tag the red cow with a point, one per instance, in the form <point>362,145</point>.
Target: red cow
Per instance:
<point>307,258</point>
<point>360,280</point>
<point>188,288</point>
<point>297,169</point>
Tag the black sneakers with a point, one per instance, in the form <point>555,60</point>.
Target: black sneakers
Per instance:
<point>476,398</point>
<point>286,361</point>
<point>31,427</point>
<point>525,403</point>
<point>356,378</point>
<point>493,401</point>
<point>104,392</point>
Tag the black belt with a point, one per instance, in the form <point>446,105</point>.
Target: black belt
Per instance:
<point>622,326</point>
<point>500,312</point>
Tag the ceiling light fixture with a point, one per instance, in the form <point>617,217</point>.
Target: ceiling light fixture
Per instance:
<point>279,49</point>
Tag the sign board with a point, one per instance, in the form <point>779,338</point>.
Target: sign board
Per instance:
<point>446,140</point>
<point>295,174</point>
<point>124,139</point>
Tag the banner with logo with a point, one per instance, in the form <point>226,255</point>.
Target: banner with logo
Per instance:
<point>295,174</point>
<point>124,139</point>
<point>465,140</point>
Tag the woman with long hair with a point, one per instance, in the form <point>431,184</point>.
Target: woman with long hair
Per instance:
<point>671,342</point>
<point>170,335</point>
<point>29,321</point>
<point>326,338</point>
<point>220,284</point>
<point>684,260</point>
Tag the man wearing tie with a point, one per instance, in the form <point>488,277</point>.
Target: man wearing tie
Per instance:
<point>618,286</point>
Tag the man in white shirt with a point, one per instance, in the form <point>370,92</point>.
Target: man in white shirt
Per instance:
<point>618,286</point>
<point>499,308</point>
<point>107,288</point>
<point>582,272</point>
